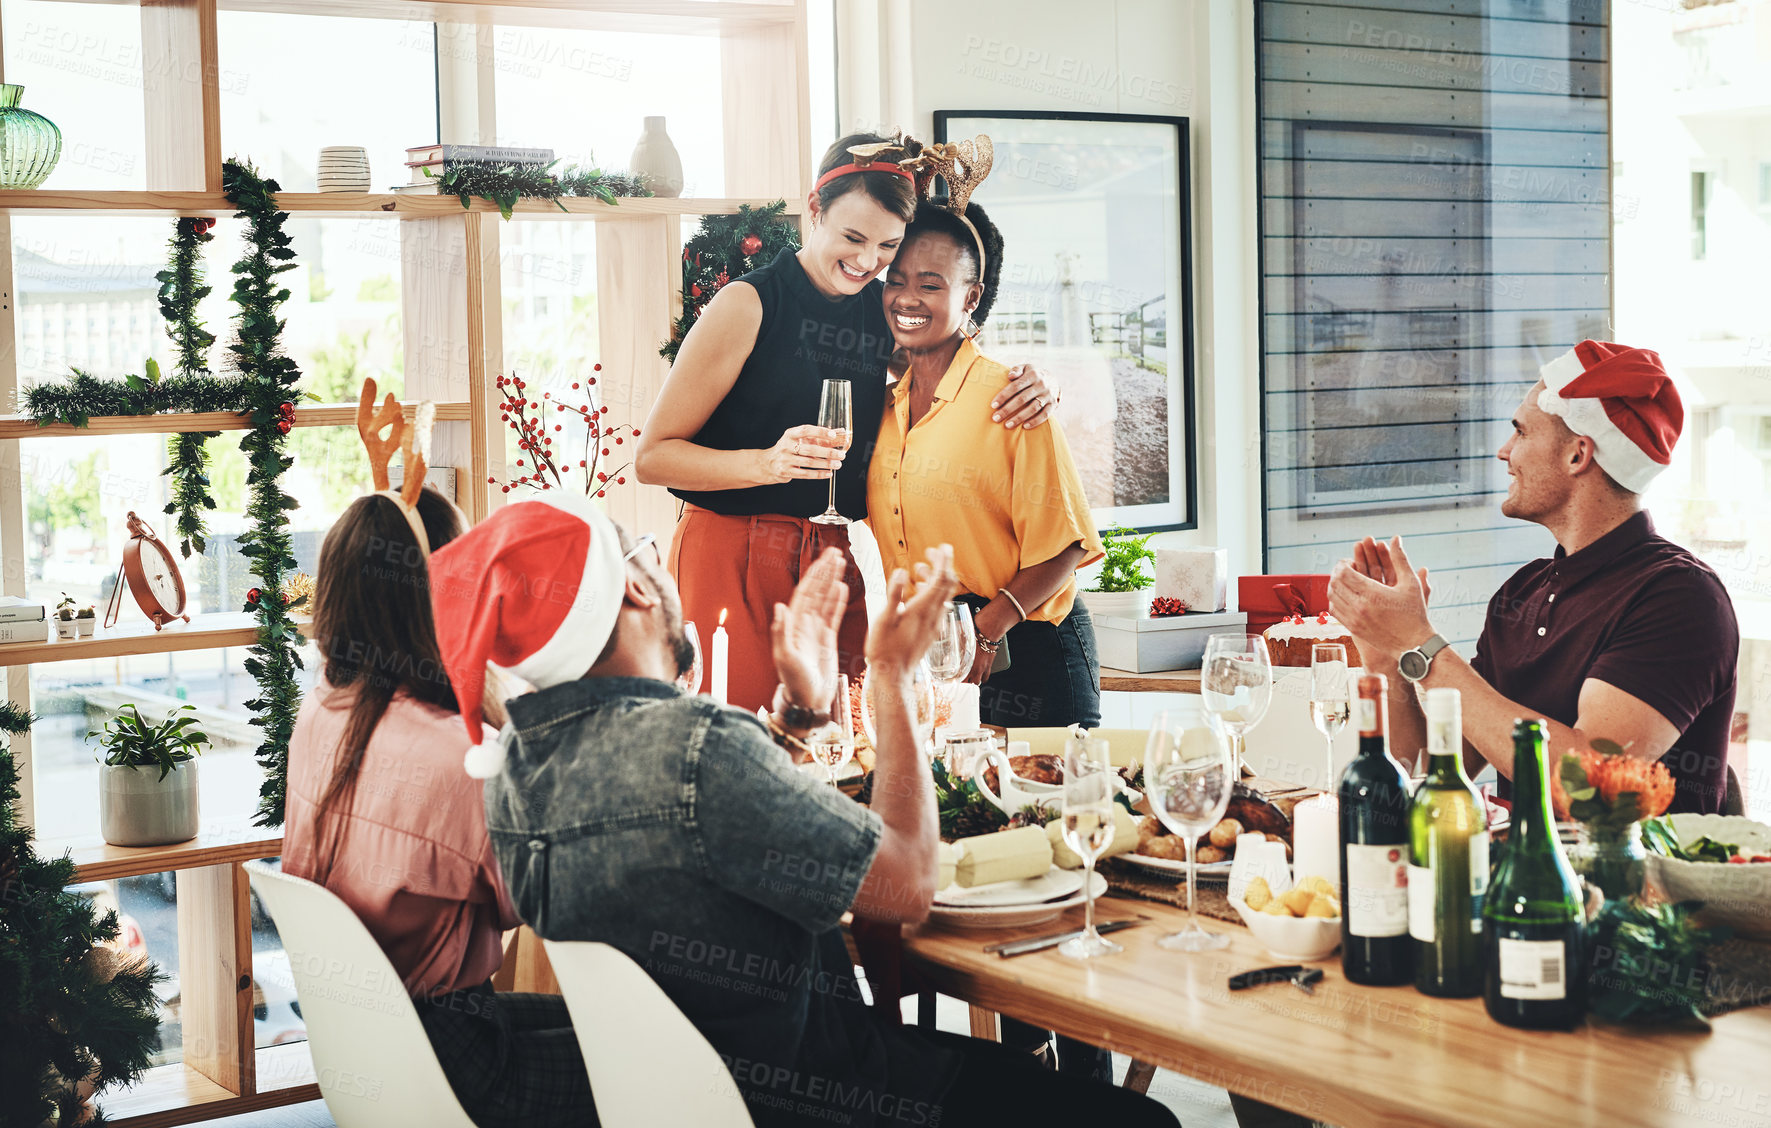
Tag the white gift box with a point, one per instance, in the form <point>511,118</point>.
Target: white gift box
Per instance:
<point>1172,642</point>
<point>1198,577</point>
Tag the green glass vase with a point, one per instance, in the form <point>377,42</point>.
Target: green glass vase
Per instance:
<point>30,144</point>
<point>1613,858</point>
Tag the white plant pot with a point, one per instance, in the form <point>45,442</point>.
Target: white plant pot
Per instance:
<point>65,628</point>
<point>138,808</point>
<point>1118,604</point>
<point>85,627</point>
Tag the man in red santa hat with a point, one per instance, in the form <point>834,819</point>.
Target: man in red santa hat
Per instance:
<point>1621,635</point>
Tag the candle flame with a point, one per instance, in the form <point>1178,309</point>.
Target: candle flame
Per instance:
<point>722,616</point>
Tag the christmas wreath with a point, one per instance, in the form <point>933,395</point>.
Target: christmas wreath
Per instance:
<point>726,247</point>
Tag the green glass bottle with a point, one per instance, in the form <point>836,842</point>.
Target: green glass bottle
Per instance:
<point>1448,863</point>
<point>1534,919</point>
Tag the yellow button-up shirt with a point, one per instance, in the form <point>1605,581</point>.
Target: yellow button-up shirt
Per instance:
<point>1005,500</point>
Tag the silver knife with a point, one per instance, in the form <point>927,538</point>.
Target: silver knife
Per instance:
<point>1008,948</point>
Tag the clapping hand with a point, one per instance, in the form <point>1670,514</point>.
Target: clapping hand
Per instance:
<point>903,632</point>
<point>803,633</point>
<point>1381,599</point>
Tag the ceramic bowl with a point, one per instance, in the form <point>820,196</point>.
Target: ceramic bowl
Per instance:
<point>1297,939</point>
<point>1737,896</point>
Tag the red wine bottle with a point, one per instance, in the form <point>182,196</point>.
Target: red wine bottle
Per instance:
<point>1375,946</point>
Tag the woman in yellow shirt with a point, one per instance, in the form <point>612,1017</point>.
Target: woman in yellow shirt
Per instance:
<point>1009,502</point>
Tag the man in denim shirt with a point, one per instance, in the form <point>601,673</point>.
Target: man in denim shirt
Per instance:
<point>680,832</point>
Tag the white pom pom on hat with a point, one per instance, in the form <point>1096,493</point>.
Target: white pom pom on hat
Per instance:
<point>534,589</point>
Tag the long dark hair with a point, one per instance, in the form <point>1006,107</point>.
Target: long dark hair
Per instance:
<point>887,189</point>
<point>934,219</point>
<point>372,620</point>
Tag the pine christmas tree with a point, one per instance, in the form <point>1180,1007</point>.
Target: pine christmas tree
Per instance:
<point>70,1007</point>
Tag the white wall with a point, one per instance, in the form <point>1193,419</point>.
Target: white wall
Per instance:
<point>898,61</point>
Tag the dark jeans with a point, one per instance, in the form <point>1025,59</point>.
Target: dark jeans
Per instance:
<point>1053,680</point>
<point>512,1058</point>
<point>998,1086</point>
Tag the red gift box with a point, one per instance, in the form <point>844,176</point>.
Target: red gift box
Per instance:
<point>1268,599</point>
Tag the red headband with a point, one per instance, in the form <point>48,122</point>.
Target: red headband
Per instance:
<point>844,170</point>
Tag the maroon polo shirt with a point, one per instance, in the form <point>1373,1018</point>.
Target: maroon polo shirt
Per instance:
<point>1635,611</point>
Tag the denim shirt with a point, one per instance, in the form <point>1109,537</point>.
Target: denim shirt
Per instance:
<point>674,829</point>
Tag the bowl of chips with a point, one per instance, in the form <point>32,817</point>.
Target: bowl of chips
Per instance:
<point>1301,922</point>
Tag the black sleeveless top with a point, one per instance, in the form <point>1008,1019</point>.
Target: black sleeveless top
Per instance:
<point>805,338</point>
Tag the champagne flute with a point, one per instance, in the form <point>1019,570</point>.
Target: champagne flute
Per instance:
<point>955,645</point>
<point>1237,685</point>
<point>1088,829</point>
<point>834,415</point>
<point>835,742</point>
<point>689,681</point>
<point>1189,772</point>
<point>1331,701</point>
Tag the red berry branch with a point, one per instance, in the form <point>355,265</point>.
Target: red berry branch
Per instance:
<point>545,463</point>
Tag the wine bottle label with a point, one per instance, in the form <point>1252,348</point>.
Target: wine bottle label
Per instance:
<point>1423,900</point>
<point>1377,890</point>
<point>1478,878</point>
<point>1533,969</point>
<point>1367,715</point>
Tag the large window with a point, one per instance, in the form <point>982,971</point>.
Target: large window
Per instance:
<point>1435,226</point>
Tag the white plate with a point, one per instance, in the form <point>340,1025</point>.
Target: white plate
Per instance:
<point>1030,891</point>
<point>1207,870</point>
<point>1009,916</point>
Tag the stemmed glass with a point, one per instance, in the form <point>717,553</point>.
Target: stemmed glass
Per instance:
<point>835,742</point>
<point>1237,685</point>
<point>834,415</point>
<point>1331,698</point>
<point>1188,777</point>
<point>955,646</point>
<point>922,695</point>
<point>689,681</point>
<point>1088,830</point>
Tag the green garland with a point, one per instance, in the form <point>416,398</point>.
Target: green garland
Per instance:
<point>86,395</point>
<point>181,288</point>
<point>725,247</point>
<point>504,185</point>
<point>269,379</point>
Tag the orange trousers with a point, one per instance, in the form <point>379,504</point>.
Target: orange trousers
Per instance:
<point>744,566</point>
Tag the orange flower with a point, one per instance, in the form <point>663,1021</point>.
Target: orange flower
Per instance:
<point>1615,775</point>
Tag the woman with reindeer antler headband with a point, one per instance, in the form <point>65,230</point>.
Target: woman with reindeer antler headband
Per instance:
<point>733,431</point>
<point>381,814</point>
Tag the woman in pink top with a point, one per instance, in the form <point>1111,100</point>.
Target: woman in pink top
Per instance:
<point>381,813</point>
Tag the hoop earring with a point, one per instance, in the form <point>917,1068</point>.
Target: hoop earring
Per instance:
<point>969,329</point>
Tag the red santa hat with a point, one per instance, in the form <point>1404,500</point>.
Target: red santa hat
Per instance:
<point>1623,400</point>
<point>534,589</point>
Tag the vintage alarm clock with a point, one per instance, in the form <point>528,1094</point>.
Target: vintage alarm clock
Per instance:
<point>153,578</point>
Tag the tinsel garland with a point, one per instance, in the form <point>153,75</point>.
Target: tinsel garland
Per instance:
<point>269,379</point>
<point>504,185</point>
<point>726,247</point>
<point>85,395</point>
<point>181,288</point>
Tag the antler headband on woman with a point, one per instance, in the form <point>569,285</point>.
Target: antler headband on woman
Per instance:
<point>411,441</point>
<point>963,165</point>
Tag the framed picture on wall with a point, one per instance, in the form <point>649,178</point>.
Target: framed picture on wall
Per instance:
<point>1097,289</point>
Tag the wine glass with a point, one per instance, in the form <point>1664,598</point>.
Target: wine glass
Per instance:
<point>955,646</point>
<point>1237,685</point>
<point>834,415</point>
<point>1188,776</point>
<point>922,696</point>
<point>1088,829</point>
<point>689,681</point>
<point>835,742</point>
<point>1331,698</point>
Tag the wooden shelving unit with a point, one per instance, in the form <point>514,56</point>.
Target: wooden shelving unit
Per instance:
<point>451,323</point>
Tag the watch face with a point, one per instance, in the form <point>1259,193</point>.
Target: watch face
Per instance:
<point>162,576</point>
<point>1413,665</point>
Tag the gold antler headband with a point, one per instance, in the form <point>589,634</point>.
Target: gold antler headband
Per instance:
<point>963,165</point>
<point>413,443</point>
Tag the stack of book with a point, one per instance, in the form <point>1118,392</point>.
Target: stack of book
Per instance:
<point>21,620</point>
<point>428,162</point>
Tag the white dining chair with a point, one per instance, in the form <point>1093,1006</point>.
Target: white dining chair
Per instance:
<point>372,1058</point>
<point>648,1064</point>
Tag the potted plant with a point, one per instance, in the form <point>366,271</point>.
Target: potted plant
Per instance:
<point>1123,589</point>
<point>65,626</point>
<point>85,621</point>
<point>148,785</point>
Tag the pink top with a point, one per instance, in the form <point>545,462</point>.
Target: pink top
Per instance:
<point>415,863</point>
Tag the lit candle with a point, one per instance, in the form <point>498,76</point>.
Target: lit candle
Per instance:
<point>720,659</point>
<point>1315,839</point>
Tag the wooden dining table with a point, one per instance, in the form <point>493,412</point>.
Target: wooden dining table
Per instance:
<point>1349,1055</point>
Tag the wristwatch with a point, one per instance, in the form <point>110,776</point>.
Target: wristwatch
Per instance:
<point>1414,664</point>
<point>798,717</point>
